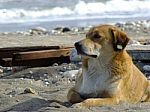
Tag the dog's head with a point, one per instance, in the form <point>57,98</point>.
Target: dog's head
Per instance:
<point>102,39</point>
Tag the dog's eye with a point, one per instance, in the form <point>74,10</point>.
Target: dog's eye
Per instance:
<point>96,35</point>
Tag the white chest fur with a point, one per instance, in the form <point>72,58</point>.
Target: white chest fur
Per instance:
<point>95,79</point>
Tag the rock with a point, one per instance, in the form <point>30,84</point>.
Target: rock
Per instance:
<point>134,42</point>
<point>78,29</point>
<point>146,68</point>
<point>27,33</point>
<point>30,72</point>
<point>65,29</point>
<point>119,25</point>
<point>129,24</point>
<point>38,31</point>
<point>55,64</point>
<point>70,74</point>
<point>59,30</point>
<point>1,71</point>
<point>74,57</point>
<point>29,90</point>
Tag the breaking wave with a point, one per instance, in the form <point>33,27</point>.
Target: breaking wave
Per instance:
<point>81,10</point>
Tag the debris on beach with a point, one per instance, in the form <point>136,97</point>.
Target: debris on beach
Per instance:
<point>38,31</point>
<point>29,90</point>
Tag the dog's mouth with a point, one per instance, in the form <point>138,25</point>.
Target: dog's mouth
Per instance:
<point>81,52</point>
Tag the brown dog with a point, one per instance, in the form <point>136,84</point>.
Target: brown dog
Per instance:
<point>108,73</point>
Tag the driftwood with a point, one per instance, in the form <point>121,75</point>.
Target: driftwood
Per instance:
<point>34,56</point>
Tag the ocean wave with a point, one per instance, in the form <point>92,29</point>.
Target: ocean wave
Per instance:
<point>82,10</point>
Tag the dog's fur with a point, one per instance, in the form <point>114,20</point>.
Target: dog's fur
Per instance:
<point>108,73</point>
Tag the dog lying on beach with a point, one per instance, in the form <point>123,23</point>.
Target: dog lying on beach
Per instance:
<point>108,74</point>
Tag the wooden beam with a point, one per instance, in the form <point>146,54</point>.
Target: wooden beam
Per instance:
<point>41,54</point>
<point>8,52</point>
<point>8,62</point>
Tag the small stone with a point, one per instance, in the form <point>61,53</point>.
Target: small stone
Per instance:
<point>129,24</point>
<point>31,72</point>
<point>29,90</point>
<point>70,74</point>
<point>45,75</point>
<point>55,64</point>
<point>47,83</point>
<point>1,71</point>
<point>26,33</point>
<point>134,42</point>
<point>38,31</point>
<point>65,29</point>
<point>119,25</point>
<point>146,68</point>
<point>74,57</point>
<point>59,30</point>
<point>21,78</point>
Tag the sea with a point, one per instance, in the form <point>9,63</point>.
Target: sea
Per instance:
<point>22,15</point>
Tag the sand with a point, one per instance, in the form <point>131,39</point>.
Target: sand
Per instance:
<point>49,87</point>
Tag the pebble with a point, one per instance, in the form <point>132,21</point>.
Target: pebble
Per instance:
<point>38,31</point>
<point>74,57</point>
<point>47,83</point>
<point>65,29</point>
<point>134,42</point>
<point>119,24</point>
<point>70,74</point>
<point>60,30</point>
<point>31,72</point>
<point>1,71</point>
<point>29,90</point>
<point>146,68</point>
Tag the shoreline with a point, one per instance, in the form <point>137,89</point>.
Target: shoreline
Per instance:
<point>136,30</point>
<point>50,25</point>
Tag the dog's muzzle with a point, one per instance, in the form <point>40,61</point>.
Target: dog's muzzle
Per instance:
<point>80,50</point>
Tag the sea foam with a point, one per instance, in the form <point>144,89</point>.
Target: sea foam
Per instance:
<point>82,10</point>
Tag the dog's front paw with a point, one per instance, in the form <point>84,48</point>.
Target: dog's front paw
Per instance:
<point>81,105</point>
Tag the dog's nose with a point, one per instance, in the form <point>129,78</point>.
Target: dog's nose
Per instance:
<point>77,45</point>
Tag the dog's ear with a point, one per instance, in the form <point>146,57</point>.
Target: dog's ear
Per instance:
<point>120,39</point>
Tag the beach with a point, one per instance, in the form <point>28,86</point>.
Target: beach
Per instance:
<point>44,89</point>
<point>25,23</point>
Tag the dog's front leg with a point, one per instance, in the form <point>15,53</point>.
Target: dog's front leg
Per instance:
<point>97,102</point>
<point>73,96</point>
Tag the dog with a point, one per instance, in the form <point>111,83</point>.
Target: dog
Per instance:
<point>108,75</point>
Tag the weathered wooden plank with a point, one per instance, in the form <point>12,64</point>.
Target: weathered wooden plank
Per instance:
<point>8,62</point>
<point>8,52</point>
<point>41,54</point>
